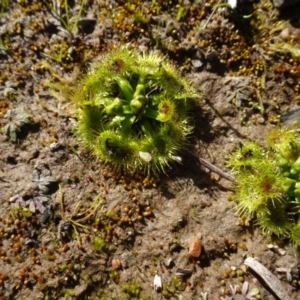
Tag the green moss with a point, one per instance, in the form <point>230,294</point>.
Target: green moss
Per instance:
<point>114,275</point>
<point>98,244</point>
<point>181,13</point>
<point>69,294</point>
<point>4,6</point>
<point>62,267</point>
<point>18,212</point>
<point>133,289</point>
<point>140,18</point>
<point>175,286</point>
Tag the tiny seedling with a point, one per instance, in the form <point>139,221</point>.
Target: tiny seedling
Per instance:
<point>4,6</point>
<point>4,45</point>
<point>66,20</point>
<point>98,244</point>
<point>19,117</point>
<point>76,219</point>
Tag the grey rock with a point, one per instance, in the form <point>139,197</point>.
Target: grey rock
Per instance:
<point>284,3</point>
<point>197,63</point>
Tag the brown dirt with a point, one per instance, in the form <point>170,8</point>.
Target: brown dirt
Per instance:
<point>44,260</point>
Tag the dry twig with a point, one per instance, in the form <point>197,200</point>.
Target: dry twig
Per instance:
<point>268,278</point>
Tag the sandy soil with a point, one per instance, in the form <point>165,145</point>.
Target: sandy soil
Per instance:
<point>70,227</point>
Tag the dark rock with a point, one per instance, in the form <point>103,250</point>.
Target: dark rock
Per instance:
<point>87,25</point>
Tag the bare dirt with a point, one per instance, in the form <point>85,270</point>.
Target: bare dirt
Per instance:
<point>71,228</point>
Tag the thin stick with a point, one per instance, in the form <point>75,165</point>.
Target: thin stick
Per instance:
<point>211,167</point>
<point>61,202</point>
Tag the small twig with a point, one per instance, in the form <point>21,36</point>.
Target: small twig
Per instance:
<point>219,4</point>
<point>4,180</point>
<point>46,106</point>
<point>268,277</point>
<point>75,152</point>
<point>76,234</point>
<point>211,167</point>
<point>61,201</point>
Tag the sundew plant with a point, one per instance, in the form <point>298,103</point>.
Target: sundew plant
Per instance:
<point>133,110</point>
<point>268,183</point>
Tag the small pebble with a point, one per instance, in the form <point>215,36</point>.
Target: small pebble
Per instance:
<point>116,264</point>
<point>261,120</point>
<point>285,33</point>
<point>54,147</point>
<point>195,247</point>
